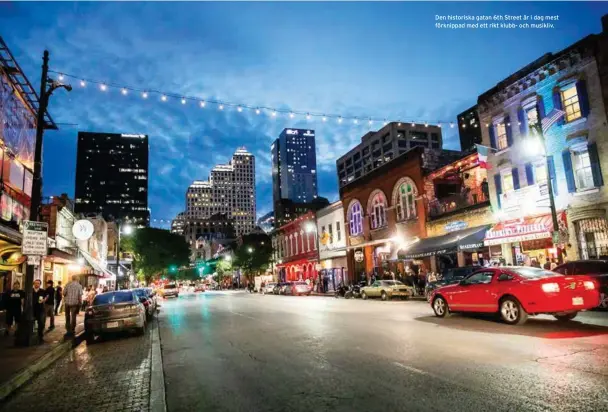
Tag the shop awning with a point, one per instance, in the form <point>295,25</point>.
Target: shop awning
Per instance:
<point>520,230</point>
<point>96,267</point>
<point>466,239</point>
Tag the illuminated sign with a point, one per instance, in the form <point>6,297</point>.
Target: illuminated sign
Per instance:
<point>138,136</point>
<point>456,225</point>
<point>289,131</point>
<point>309,133</point>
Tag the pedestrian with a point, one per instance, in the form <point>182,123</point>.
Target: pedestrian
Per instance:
<point>72,294</point>
<point>84,298</point>
<point>38,302</point>
<point>58,297</point>
<point>553,264</point>
<point>14,306</point>
<point>547,265</point>
<point>49,303</point>
<point>91,296</point>
<point>485,190</point>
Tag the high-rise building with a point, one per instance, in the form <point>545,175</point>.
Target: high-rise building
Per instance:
<point>112,176</point>
<point>230,189</point>
<point>294,166</point>
<point>469,129</point>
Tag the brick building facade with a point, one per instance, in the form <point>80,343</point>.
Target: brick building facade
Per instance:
<point>295,249</point>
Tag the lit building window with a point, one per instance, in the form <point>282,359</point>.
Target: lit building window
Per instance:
<point>570,103</point>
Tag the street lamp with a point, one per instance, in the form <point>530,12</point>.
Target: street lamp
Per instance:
<point>227,258</point>
<point>311,227</point>
<point>26,326</point>
<point>127,230</point>
<point>250,250</point>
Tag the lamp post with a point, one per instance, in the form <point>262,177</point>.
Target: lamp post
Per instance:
<point>25,327</point>
<point>128,229</point>
<point>537,130</point>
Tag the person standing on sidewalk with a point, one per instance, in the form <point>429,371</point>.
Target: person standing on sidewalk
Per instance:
<point>38,303</point>
<point>14,306</point>
<point>72,299</point>
<point>58,297</point>
<point>49,303</point>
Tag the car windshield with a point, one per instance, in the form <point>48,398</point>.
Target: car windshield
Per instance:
<point>140,292</point>
<point>170,286</point>
<point>113,297</point>
<point>534,273</point>
<point>392,283</point>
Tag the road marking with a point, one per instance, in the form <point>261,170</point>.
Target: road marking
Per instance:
<point>412,369</point>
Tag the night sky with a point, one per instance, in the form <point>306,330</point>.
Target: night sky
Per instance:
<point>362,59</point>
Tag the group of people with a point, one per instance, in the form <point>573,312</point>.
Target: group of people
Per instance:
<point>47,303</point>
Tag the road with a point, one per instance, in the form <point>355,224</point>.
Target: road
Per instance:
<point>231,351</point>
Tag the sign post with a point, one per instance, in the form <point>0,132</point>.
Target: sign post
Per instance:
<point>35,235</point>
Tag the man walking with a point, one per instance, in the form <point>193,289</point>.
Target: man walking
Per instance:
<point>38,303</point>
<point>58,297</point>
<point>49,303</point>
<point>72,294</point>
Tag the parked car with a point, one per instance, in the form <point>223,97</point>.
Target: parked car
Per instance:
<point>297,289</point>
<point>114,312</point>
<point>147,300</point>
<point>170,290</point>
<point>449,277</point>
<point>386,290</point>
<point>279,288</point>
<point>515,292</point>
<point>269,288</point>
<point>597,269</point>
<point>199,288</point>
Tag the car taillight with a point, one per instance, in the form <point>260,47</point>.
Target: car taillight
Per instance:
<point>589,285</point>
<point>550,287</point>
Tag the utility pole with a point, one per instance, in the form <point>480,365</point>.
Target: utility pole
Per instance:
<point>537,128</point>
<point>24,331</point>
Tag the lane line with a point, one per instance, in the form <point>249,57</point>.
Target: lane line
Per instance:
<point>412,369</point>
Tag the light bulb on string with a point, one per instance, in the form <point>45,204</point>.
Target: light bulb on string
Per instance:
<point>123,91</point>
<point>439,125</point>
<point>385,122</point>
<point>426,125</point>
<point>274,113</point>
<point>340,119</point>
<point>413,124</point>
<point>356,121</point>
<point>163,98</point>
<point>239,109</point>
<point>257,111</point>
<point>291,115</point>
<point>103,87</point>
<point>307,116</point>
<point>60,77</point>
<point>82,83</point>
<point>183,101</point>
<point>452,125</point>
<point>144,95</point>
<point>324,118</point>
<point>370,121</point>
<point>399,124</point>
<point>221,107</point>
<point>202,103</point>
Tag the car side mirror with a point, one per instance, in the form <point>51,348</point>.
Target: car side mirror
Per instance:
<point>504,277</point>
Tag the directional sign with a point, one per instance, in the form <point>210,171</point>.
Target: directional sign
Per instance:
<point>35,235</point>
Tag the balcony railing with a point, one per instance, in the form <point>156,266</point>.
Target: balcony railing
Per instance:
<point>452,203</point>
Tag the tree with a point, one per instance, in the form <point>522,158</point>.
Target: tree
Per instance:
<point>154,250</point>
<point>253,254</point>
<point>221,268</point>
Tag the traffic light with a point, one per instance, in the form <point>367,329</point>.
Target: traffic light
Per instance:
<point>172,268</point>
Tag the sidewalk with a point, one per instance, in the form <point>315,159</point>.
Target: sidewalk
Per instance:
<point>21,364</point>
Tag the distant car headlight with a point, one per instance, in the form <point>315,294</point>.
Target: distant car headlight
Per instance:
<point>589,285</point>
<point>550,287</point>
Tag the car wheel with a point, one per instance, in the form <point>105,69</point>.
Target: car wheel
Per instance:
<point>383,296</point>
<point>511,312</point>
<point>428,296</point>
<point>565,317</point>
<point>363,295</point>
<point>440,307</point>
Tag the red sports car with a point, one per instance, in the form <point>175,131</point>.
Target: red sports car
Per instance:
<point>516,292</point>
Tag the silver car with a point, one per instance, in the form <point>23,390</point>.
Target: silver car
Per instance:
<point>114,312</point>
<point>298,288</point>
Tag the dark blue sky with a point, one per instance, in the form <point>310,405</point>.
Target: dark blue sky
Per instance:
<point>378,59</point>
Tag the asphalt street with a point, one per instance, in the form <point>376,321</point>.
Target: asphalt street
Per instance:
<point>232,351</point>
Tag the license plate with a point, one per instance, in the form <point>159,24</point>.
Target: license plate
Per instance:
<point>577,301</point>
<point>112,325</point>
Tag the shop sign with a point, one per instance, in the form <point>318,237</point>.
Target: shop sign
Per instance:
<point>359,256</point>
<point>35,235</point>
<point>356,240</point>
<point>517,232</point>
<point>470,246</point>
<point>456,225</point>
<point>83,229</point>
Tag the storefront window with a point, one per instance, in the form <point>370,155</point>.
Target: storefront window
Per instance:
<point>592,238</point>
<point>540,173</point>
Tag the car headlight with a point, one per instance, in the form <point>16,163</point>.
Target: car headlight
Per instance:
<point>589,285</point>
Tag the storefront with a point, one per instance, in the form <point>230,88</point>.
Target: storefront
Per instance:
<point>527,240</point>
<point>301,269</point>
<point>456,249</point>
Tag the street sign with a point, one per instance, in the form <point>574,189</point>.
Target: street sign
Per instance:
<point>33,260</point>
<point>555,237</point>
<point>35,235</point>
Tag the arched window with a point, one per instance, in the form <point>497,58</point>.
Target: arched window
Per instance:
<point>355,218</point>
<point>404,198</point>
<point>377,209</point>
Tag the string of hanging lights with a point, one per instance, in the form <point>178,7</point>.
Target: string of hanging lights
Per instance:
<point>273,112</point>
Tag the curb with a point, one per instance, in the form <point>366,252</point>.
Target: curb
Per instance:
<point>158,401</point>
<point>27,373</point>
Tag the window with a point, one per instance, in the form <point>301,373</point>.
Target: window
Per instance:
<point>540,173</point>
<point>338,235</point>
<point>331,234</point>
<point>571,104</point>
<point>532,116</point>
<point>581,166</point>
<point>501,136</point>
<point>355,218</point>
<point>482,278</point>
<point>507,182</point>
<point>406,200</point>
<point>378,211</point>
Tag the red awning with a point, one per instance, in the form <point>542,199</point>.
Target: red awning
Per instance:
<point>520,230</point>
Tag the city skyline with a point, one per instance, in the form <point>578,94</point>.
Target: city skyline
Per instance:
<point>186,143</point>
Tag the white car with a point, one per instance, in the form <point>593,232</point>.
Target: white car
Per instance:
<point>269,288</point>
